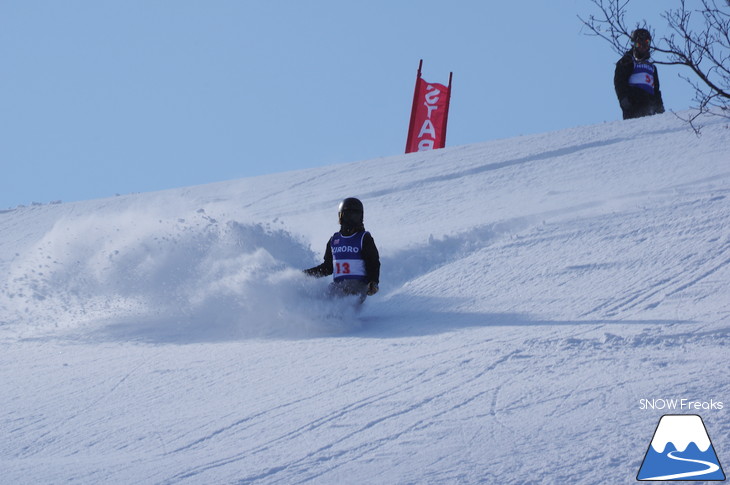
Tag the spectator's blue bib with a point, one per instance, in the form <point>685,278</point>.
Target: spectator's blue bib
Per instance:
<point>347,260</point>
<point>643,76</point>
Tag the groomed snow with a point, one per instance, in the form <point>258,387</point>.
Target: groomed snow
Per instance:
<point>534,290</point>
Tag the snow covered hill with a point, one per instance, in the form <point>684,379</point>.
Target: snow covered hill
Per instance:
<point>536,293</point>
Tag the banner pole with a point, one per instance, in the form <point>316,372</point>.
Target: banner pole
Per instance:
<point>413,108</point>
<point>446,115</point>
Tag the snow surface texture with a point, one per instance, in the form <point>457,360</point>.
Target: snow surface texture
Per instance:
<point>533,292</point>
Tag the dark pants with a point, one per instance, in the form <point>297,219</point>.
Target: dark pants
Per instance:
<point>639,112</point>
<point>343,288</point>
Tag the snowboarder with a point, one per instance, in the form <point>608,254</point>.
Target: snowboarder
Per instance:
<point>636,79</point>
<point>351,255</point>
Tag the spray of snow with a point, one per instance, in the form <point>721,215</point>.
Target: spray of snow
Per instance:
<point>186,279</point>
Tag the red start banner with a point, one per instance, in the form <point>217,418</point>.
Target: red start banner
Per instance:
<point>429,115</point>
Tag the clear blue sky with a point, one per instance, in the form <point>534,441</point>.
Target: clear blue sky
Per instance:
<point>99,98</point>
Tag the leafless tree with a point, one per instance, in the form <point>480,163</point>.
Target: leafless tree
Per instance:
<point>697,37</point>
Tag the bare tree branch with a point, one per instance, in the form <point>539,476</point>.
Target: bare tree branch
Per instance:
<point>698,38</point>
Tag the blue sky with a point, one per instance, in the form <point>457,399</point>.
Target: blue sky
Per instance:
<point>99,98</point>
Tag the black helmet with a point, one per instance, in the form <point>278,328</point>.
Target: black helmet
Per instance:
<point>350,213</point>
<point>640,35</point>
<point>641,40</point>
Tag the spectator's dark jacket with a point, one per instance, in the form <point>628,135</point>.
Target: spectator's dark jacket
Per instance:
<point>634,101</point>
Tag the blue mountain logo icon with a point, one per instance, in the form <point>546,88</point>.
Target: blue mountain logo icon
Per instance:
<point>680,450</point>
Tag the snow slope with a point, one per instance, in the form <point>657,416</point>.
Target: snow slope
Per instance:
<point>534,291</point>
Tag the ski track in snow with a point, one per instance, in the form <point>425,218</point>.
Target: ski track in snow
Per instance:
<point>329,453</point>
<point>533,291</point>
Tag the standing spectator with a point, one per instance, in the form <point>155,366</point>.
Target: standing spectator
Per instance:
<point>636,79</point>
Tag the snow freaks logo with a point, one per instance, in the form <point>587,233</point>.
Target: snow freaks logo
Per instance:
<point>680,404</point>
<point>680,450</point>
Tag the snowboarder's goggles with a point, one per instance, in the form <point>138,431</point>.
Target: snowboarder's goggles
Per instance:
<point>643,42</point>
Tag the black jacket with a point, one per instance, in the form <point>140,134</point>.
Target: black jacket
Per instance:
<point>369,255</point>
<point>634,101</point>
